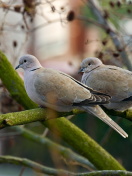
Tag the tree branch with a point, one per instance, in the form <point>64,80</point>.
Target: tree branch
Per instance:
<point>110,173</point>
<point>68,132</point>
<point>96,23</point>
<point>80,141</point>
<point>35,166</point>
<point>50,171</point>
<point>125,114</point>
<point>66,153</point>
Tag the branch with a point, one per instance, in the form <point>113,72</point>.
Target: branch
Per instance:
<point>28,116</point>
<point>89,20</point>
<point>125,114</point>
<point>71,134</point>
<point>35,166</point>
<point>96,9</point>
<point>110,173</point>
<point>66,153</point>
<point>50,171</point>
<point>85,145</point>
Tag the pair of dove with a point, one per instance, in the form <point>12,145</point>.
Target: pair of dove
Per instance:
<point>61,92</point>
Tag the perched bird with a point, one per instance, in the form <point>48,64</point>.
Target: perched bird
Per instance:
<point>108,79</point>
<point>59,91</point>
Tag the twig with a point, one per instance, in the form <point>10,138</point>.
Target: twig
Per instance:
<point>50,171</point>
<point>22,171</point>
<point>112,31</point>
<point>110,173</point>
<point>66,153</point>
<point>35,166</point>
<point>44,24</point>
<point>45,132</point>
<point>96,23</point>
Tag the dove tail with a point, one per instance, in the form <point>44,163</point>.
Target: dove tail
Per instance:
<point>97,111</point>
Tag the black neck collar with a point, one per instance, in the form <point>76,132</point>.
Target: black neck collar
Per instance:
<point>93,69</point>
<point>35,69</point>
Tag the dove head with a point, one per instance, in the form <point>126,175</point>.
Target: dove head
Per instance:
<point>89,64</point>
<point>28,63</point>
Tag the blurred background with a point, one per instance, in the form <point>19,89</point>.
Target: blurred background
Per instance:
<point>61,34</point>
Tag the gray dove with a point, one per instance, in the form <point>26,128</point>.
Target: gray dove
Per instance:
<point>59,91</point>
<point>112,80</point>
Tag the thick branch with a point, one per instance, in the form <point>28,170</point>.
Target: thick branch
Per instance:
<point>66,153</point>
<point>80,141</point>
<point>69,132</point>
<point>28,116</point>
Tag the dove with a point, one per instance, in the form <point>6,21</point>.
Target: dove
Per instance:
<point>108,79</point>
<point>61,92</point>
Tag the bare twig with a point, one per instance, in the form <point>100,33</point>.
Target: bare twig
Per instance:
<point>96,23</point>
<point>22,171</point>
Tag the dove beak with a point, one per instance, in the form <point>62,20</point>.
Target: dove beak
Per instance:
<point>81,70</point>
<point>17,67</point>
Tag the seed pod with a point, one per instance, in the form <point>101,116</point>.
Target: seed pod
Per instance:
<point>71,16</point>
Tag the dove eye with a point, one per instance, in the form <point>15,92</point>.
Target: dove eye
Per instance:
<point>25,61</point>
<point>89,64</point>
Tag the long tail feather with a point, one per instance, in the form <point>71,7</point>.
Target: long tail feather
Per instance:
<point>98,112</point>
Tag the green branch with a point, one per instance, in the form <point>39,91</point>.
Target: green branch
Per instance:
<point>66,153</point>
<point>28,116</point>
<point>50,171</point>
<point>69,132</point>
<point>125,114</point>
<point>80,141</point>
